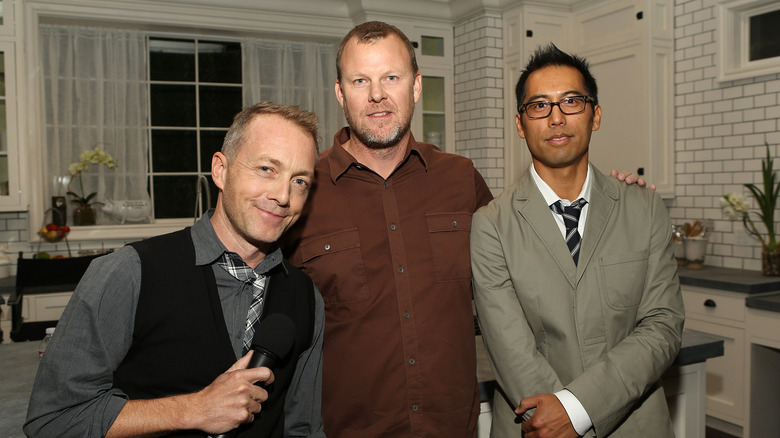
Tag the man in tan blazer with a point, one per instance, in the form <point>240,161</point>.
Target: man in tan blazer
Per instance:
<point>580,315</point>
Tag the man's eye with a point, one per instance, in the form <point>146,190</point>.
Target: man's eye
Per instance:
<point>540,105</point>
<point>392,78</point>
<point>569,100</point>
<point>301,184</point>
<point>359,82</point>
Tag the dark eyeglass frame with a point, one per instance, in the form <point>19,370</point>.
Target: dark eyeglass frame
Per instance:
<point>522,107</point>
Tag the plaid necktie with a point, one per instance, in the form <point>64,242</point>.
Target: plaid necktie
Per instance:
<point>236,267</point>
<point>571,216</point>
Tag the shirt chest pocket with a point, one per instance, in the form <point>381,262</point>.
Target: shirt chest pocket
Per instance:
<point>335,264</point>
<point>449,234</point>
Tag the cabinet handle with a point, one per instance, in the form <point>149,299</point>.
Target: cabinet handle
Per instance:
<point>710,303</point>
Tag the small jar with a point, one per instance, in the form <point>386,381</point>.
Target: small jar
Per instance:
<point>45,341</point>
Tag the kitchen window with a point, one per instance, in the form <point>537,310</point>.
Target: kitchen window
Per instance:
<point>161,105</point>
<point>747,39</point>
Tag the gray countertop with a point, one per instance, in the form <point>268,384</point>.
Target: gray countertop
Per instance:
<point>733,280</point>
<point>770,302</point>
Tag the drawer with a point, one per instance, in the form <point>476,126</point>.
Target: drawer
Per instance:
<point>50,307</point>
<point>714,305</point>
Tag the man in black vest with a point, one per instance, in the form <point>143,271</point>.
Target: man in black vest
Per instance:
<point>148,343</point>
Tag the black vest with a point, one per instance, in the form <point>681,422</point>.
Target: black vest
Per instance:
<point>180,340</point>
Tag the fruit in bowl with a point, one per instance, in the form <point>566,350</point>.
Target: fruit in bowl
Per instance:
<point>53,233</point>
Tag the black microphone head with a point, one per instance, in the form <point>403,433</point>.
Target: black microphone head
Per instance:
<point>275,334</point>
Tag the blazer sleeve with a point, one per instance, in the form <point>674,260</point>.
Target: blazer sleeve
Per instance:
<point>520,370</point>
<point>610,389</point>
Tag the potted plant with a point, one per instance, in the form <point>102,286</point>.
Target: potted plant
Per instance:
<point>84,213</point>
<point>736,206</point>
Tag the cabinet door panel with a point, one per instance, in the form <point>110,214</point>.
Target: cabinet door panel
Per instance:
<point>725,374</point>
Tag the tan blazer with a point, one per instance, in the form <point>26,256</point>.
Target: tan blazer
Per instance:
<point>606,329</point>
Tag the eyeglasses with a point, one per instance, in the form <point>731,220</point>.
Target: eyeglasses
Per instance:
<point>540,109</point>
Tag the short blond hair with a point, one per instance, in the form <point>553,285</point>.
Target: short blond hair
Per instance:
<point>236,135</point>
<point>371,31</point>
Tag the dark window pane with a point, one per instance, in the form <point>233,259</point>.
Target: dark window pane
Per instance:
<point>174,196</point>
<point>210,142</point>
<point>764,41</point>
<point>173,105</point>
<point>174,151</point>
<point>218,106</point>
<point>171,60</point>
<point>219,62</point>
<point>208,200</point>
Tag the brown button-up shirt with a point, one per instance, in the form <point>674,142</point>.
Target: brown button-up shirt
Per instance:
<point>391,259</point>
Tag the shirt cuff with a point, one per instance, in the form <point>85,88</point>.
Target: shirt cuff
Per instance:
<point>580,419</point>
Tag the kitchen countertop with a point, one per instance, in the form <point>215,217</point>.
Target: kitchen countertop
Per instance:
<point>733,280</point>
<point>770,302</point>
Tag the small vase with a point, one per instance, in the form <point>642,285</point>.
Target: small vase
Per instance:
<point>83,215</point>
<point>770,262</point>
<point>695,249</point>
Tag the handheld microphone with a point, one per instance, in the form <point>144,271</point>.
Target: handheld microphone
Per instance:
<point>274,337</point>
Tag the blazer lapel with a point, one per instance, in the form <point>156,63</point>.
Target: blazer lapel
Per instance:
<point>603,198</point>
<point>530,204</point>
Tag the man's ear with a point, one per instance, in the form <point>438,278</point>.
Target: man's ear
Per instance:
<point>339,93</point>
<point>596,118</point>
<point>519,123</point>
<point>219,165</point>
<point>417,86</point>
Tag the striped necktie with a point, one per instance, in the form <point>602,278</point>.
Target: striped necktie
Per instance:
<point>571,216</point>
<point>236,267</point>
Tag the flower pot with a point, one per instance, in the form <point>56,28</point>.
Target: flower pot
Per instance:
<point>83,215</point>
<point>695,249</point>
<point>770,262</point>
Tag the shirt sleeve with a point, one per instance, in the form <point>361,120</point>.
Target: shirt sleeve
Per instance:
<point>580,420</point>
<point>303,404</point>
<point>73,393</point>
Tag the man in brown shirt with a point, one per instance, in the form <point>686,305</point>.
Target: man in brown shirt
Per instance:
<point>385,238</point>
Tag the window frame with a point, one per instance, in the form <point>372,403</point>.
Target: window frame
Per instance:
<point>733,37</point>
<point>318,24</point>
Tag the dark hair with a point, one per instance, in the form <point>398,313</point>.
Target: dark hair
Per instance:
<point>371,31</point>
<point>549,56</point>
<point>236,135</point>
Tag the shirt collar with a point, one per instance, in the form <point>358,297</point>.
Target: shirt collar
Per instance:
<point>208,247</point>
<point>341,160</point>
<point>549,194</point>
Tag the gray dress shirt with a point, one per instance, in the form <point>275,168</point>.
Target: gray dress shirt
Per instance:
<point>73,394</point>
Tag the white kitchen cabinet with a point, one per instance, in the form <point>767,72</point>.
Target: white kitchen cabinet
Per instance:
<point>630,47</point>
<point>526,27</point>
<point>10,190</point>
<point>44,307</point>
<point>433,120</point>
<point>762,379</point>
<point>721,314</point>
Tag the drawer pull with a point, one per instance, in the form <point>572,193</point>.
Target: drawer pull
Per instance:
<point>710,303</point>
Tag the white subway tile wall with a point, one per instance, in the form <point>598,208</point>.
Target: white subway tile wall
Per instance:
<point>720,131</point>
<point>479,95</point>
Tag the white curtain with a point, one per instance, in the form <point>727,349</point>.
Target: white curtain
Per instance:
<point>95,94</point>
<point>294,73</point>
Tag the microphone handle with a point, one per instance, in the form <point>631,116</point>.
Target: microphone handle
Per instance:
<point>260,358</point>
